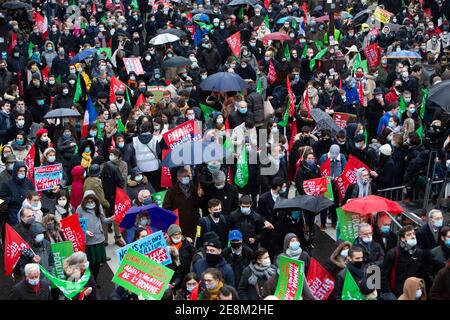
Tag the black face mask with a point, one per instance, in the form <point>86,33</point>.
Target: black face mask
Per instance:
<point>357,264</point>
<point>213,259</point>
<point>235,245</point>
<point>216,214</point>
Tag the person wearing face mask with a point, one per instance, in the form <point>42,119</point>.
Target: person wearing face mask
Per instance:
<point>32,287</point>
<point>227,193</point>
<point>308,170</point>
<point>404,261</point>
<point>33,202</point>
<point>182,252</point>
<point>248,222</point>
<point>363,186</point>
<point>337,260</point>
<point>372,251</point>
<point>292,249</point>
<point>383,234</point>
<point>209,58</point>
<point>428,235</point>
<point>63,207</point>
<point>414,289</point>
<point>91,209</point>
<point>49,54</point>
<point>137,182</point>
<point>183,196</point>
<point>20,145</point>
<point>142,221</point>
<point>441,254</point>
<point>188,287</point>
<point>206,173</point>
<point>60,64</point>
<point>364,152</point>
<point>254,277</point>
<point>238,255</point>
<point>64,98</point>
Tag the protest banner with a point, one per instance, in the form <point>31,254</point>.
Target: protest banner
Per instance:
<point>158,92</point>
<point>121,206</point>
<point>143,276</point>
<point>61,251</point>
<point>319,187</point>
<point>350,290</point>
<point>153,246</point>
<point>166,177</point>
<point>191,30</point>
<point>290,281</point>
<point>382,15</point>
<point>29,162</point>
<point>234,41</point>
<point>325,168</point>
<point>69,288</point>
<point>372,55</point>
<point>341,119</point>
<point>133,64</point>
<point>319,280</point>
<point>348,225</point>
<point>115,85</point>
<point>159,197</point>
<point>348,175</point>
<point>185,132</point>
<point>14,244</point>
<point>47,177</point>
<point>342,186</point>
<point>72,230</point>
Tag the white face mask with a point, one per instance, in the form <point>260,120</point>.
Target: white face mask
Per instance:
<point>418,293</point>
<point>62,203</point>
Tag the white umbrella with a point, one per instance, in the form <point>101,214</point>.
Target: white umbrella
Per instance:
<point>163,39</point>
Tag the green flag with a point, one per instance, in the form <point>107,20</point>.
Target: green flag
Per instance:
<point>78,91</point>
<point>347,225</point>
<point>99,131</point>
<point>69,288</point>
<point>259,87</point>
<point>83,25</point>
<point>30,49</point>
<point>240,14</point>
<point>266,22</point>
<point>357,62</point>
<point>366,136</point>
<point>319,44</point>
<point>229,148</point>
<point>61,251</point>
<point>135,4</point>
<point>285,120</point>
<point>120,127</point>
<point>159,197</point>
<point>305,48</point>
<point>420,132</point>
<point>423,104</point>
<point>206,26</point>
<point>319,55</point>
<point>287,52</point>
<point>402,104</point>
<point>58,79</point>
<point>350,290</point>
<point>241,177</point>
<point>207,111</point>
<point>127,96</point>
<point>107,50</point>
<point>69,189</point>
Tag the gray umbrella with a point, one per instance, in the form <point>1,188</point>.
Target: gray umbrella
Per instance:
<point>62,113</point>
<point>310,203</point>
<point>439,95</point>
<point>324,121</point>
<point>176,32</point>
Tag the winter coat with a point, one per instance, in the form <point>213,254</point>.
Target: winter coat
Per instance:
<point>248,291</point>
<point>111,178</point>
<point>251,226</point>
<point>236,118</point>
<point>76,193</point>
<point>201,265</point>
<point>128,156</point>
<point>94,224</point>
<point>373,253</point>
<point>391,239</point>
<point>23,291</point>
<point>425,238</point>
<point>305,173</point>
<point>14,192</point>
<point>95,184</point>
<point>49,56</point>
<point>386,173</point>
<point>441,285</point>
<point>210,59</point>
<point>6,79</point>
<point>185,253</point>
<point>440,255</point>
<point>5,124</point>
<point>229,196</point>
<point>256,106</point>
<point>336,262</point>
<point>133,187</point>
<point>238,262</point>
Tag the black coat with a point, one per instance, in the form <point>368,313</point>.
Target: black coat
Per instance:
<point>374,112</point>
<point>353,191</point>
<point>111,178</point>
<point>23,291</point>
<point>391,240</point>
<point>229,196</point>
<point>425,238</point>
<point>251,226</point>
<point>246,290</point>
<point>305,173</point>
<point>265,207</point>
<point>236,118</point>
<point>186,253</point>
<point>386,173</point>
<point>238,262</point>
<point>374,255</point>
<point>406,265</point>
<point>368,156</point>
<point>440,255</point>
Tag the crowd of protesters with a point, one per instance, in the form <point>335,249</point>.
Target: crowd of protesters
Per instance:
<point>393,129</point>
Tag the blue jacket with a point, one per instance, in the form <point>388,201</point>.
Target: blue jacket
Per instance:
<point>352,95</point>
<point>384,122</point>
<point>227,272</point>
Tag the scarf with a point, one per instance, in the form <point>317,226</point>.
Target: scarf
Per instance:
<point>86,160</point>
<point>406,248</point>
<point>61,211</point>
<point>364,189</point>
<point>15,146</point>
<point>186,189</point>
<point>295,254</point>
<point>215,292</point>
<point>259,272</point>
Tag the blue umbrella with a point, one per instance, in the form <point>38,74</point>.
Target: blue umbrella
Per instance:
<point>201,17</point>
<point>160,218</point>
<point>223,82</point>
<point>83,55</point>
<point>194,152</point>
<point>404,54</point>
<point>289,19</point>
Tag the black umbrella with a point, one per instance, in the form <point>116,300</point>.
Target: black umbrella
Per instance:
<point>362,16</point>
<point>62,113</point>
<point>176,32</point>
<point>176,62</point>
<point>242,2</point>
<point>310,203</point>
<point>15,5</point>
<point>439,94</point>
<point>323,120</point>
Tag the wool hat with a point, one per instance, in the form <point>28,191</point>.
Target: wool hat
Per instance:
<point>174,228</point>
<point>94,170</point>
<point>386,150</point>
<point>215,243</point>
<point>41,131</point>
<point>48,150</point>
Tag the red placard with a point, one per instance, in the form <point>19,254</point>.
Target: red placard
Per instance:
<point>319,280</point>
<point>71,228</point>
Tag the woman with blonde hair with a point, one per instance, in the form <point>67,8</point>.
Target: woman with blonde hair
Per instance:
<point>311,95</point>
<point>408,127</point>
<point>75,269</point>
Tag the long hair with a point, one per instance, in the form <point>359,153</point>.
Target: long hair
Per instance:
<point>95,199</point>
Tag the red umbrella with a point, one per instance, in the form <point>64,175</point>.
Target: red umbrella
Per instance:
<point>372,204</point>
<point>276,36</point>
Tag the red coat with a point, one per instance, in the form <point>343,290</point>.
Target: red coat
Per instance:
<point>391,97</point>
<point>76,194</point>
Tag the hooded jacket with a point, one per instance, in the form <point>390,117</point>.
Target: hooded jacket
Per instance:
<point>49,55</point>
<point>336,262</point>
<point>304,256</point>
<point>410,287</point>
<point>76,193</point>
<point>14,192</point>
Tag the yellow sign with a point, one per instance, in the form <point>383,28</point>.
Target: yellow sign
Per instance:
<point>199,231</point>
<point>382,15</point>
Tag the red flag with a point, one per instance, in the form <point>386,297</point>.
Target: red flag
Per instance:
<point>178,217</point>
<point>14,244</point>
<point>341,119</point>
<point>272,76</point>
<point>166,177</point>
<point>42,25</point>
<point>340,84</point>
<point>194,293</point>
<point>140,100</point>
<point>319,280</point>
<point>227,125</point>
<point>229,176</point>
<point>45,72</point>
<point>12,44</point>
<point>361,93</point>
<point>305,9</point>
<point>266,3</point>
<point>115,85</point>
<point>121,206</point>
<point>234,41</point>
<point>315,187</point>
<point>291,97</point>
<point>189,16</point>
<point>372,55</point>
<point>348,176</point>
<point>29,162</point>
<point>94,8</point>
<point>19,80</point>
<point>306,103</point>
<point>71,228</point>
<point>342,186</point>
<point>293,134</point>
<point>325,168</point>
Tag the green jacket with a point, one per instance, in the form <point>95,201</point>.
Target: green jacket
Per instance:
<point>95,184</point>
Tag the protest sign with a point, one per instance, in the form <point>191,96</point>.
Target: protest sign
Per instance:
<point>61,251</point>
<point>159,197</point>
<point>122,204</point>
<point>158,92</point>
<point>234,41</point>
<point>185,132</point>
<point>143,276</point>
<point>133,64</point>
<point>372,55</point>
<point>319,280</point>
<point>47,177</point>
<point>348,225</point>
<point>153,246</point>
<point>348,175</point>
<point>69,288</point>
<point>290,280</point>
<point>319,187</point>
<point>382,15</point>
<point>350,290</point>
<point>325,168</point>
<point>341,119</point>
<point>72,230</point>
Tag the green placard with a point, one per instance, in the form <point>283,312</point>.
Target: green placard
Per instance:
<point>329,193</point>
<point>290,281</point>
<point>348,225</point>
<point>61,251</point>
<point>143,276</point>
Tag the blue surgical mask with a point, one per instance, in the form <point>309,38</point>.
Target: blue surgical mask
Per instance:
<point>189,289</point>
<point>310,162</point>
<point>210,286</point>
<point>148,201</point>
<point>243,110</point>
<point>295,214</point>
<point>447,243</point>
<point>19,142</point>
<point>357,145</point>
<point>412,110</point>
<point>185,180</point>
<point>143,222</point>
<point>39,238</point>
<point>411,242</point>
<point>33,282</point>
<point>87,150</point>
<point>93,134</point>
<point>438,223</point>
<point>67,135</point>
<point>385,229</point>
<point>121,144</point>
<point>246,211</point>
<point>21,176</point>
<point>213,167</point>
<point>294,246</point>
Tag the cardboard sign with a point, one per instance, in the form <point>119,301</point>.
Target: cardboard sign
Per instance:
<point>290,281</point>
<point>133,64</point>
<point>47,177</point>
<point>382,15</point>
<point>183,133</point>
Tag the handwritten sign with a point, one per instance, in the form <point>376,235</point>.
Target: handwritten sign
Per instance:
<point>47,177</point>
